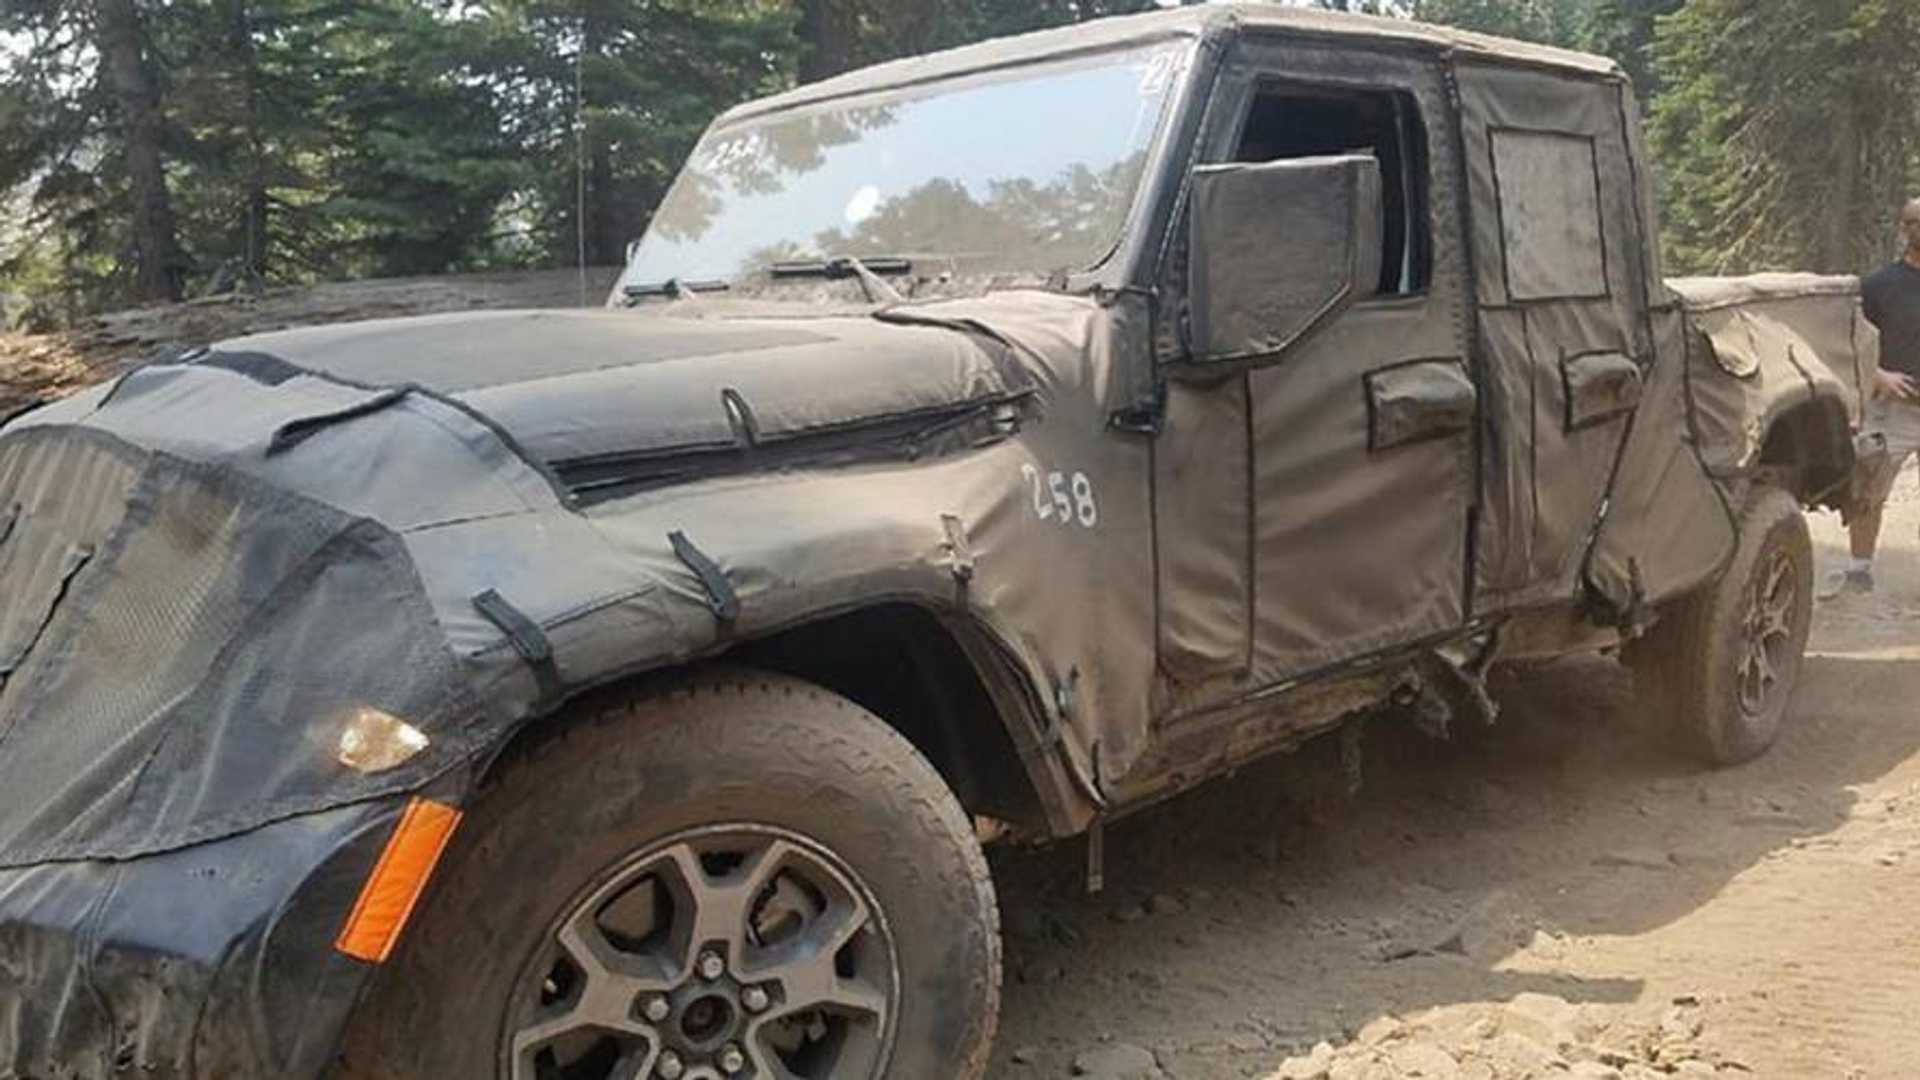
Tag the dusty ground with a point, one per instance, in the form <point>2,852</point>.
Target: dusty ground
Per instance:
<point>1559,898</point>
<point>1652,918</point>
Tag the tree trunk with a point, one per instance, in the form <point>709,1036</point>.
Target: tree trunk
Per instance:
<point>829,38</point>
<point>158,273</point>
<point>603,246</point>
<point>1836,256</point>
<point>245,69</point>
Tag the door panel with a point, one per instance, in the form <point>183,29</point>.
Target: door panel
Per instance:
<point>1357,548</point>
<point>1203,505</point>
<point>1560,276</point>
<point>1350,542</point>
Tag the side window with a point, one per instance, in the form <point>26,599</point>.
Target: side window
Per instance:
<point>1550,232</point>
<point>1288,120</point>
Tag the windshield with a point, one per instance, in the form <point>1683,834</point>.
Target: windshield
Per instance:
<point>1033,171</point>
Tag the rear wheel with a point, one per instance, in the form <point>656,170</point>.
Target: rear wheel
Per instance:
<point>745,878</point>
<point>1720,667</point>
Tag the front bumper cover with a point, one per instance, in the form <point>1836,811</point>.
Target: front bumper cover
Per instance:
<point>210,961</point>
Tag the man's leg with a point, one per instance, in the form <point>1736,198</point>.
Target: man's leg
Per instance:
<point>1863,527</point>
<point>1863,533</point>
<point>1863,536</point>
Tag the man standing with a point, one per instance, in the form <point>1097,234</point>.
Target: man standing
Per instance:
<point>1891,297</point>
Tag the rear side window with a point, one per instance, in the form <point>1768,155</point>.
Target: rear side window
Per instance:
<point>1291,120</point>
<point>1549,185</point>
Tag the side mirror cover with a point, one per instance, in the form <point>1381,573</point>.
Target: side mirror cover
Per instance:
<point>1276,250</point>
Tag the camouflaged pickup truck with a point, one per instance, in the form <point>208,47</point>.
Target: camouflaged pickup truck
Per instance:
<point>985,444</point>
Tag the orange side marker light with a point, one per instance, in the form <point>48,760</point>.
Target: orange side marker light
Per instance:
<point>398,879</point>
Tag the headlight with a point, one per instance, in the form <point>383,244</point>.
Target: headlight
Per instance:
<point>374,741</point>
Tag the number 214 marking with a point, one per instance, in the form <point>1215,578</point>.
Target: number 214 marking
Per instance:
<point>1058,497</point>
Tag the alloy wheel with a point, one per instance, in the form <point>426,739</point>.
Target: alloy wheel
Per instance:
<point>736,952</point>
<point>1768,633</point>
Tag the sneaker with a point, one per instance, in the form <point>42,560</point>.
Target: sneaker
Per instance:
<point>1843,582</point>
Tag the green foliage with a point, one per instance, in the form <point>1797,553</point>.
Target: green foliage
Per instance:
<point>303,139</point>
<point>1623,29</point>
<point>67,219</point>
<point>1789,131</point>
<point>650,75</point>
<point>308,139</point>
<point>320,139</point>
<point>1551,22</point>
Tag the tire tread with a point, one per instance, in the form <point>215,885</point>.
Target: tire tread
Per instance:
<point>1678,673</point>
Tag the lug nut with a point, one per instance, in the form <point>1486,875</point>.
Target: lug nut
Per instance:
<point>731,1059</point>
<point>656,1009</point>
<point>669,1066</point>
<point>712,966</point>
<point>754,998</point>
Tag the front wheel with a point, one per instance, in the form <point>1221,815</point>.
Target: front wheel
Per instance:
<point>747,878</point>
<point>1719,668</point>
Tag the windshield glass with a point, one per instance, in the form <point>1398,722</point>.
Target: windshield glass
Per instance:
<point>1030,171</point>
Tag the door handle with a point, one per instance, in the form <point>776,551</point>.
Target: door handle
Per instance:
<point>1599,386</point>
<point>1418,400</point>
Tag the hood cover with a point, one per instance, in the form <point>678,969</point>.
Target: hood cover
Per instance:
<point>577,387</point>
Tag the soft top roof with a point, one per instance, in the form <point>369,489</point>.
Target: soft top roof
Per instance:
<point>1177,23</point>
<point>1708,293</point>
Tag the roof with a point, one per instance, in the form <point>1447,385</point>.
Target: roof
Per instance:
<point>1708,293</point>
<point>1185,22</point>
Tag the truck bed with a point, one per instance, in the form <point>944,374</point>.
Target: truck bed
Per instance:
<point>1764,345</point>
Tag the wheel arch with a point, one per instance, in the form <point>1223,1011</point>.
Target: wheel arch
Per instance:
<point>1808,450</point>
<point>924,676</point>
<point>944,683</point>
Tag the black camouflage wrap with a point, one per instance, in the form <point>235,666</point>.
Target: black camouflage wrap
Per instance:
<point>214,560</point>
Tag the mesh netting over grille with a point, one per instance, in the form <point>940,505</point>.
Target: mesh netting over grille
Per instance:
<point>193,675</point>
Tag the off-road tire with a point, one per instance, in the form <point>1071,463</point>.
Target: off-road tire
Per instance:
<point>1687,668</point>
<point>626,770</point>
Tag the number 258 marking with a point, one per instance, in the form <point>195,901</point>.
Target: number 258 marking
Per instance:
<point>1060,498</point>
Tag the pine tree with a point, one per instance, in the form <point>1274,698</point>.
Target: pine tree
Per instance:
<point>620,92</point>
<point>83,105</point>
<point>1623,29</point>
<point>415,158</point>
<point>1789,132</point>
<point>120,36</point>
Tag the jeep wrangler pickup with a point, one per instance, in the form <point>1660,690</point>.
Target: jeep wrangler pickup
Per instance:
<point>993,442</point>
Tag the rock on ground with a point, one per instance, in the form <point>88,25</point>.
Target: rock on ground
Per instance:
<point>1533,1036</point>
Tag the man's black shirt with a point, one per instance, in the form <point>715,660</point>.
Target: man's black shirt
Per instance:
<point>1891,296</point>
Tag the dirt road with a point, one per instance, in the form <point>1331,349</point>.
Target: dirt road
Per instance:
<point>1762,921</point>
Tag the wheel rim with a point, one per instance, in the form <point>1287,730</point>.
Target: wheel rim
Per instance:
<point>1768,653</point>
<point>735,952</point>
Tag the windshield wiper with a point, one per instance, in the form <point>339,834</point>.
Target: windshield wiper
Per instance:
<point>843,266</point>
<point>674,287</point>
